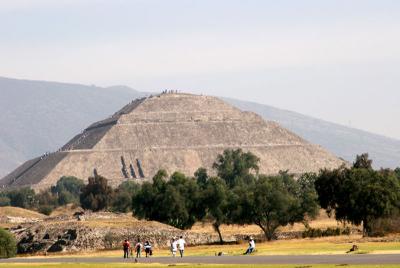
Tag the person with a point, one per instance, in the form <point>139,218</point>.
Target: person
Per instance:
<point>181,246</point>
<point>138,249</point>
<point>126,247</point>
<point>174,246</point>
<point>252,246</point>
<point>147,249</point>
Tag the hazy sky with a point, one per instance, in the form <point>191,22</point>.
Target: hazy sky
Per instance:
<point>335,60</point>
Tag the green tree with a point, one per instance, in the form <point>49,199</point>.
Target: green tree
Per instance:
<point>8,245</point>
<point>175,202</point>
<point>201,177</point>
<point>276,203</point>
<point>68,189</point>
<point>359,194</point>
<point>24,197</point>
<point>96,195</point>
<point>235,165</point>
<point>122,201</point>
<point>216,197</point>
<point>46,202</point>
<point>309,205</point>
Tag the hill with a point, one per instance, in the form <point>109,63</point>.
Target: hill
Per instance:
<point>39,116</point>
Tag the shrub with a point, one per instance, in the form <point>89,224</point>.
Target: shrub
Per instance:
<point>45,209</point>
<point>8,246</point>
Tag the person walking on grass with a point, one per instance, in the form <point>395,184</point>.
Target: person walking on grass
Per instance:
<point>147,249</point>
<point>126,247</point>
<point>138,249</point>
<point>174,246</point>
<point>181,246</point>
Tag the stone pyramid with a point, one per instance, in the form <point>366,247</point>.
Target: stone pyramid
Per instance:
<point>175,132</point>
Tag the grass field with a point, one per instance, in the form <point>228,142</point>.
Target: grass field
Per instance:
<point>331,245</point>
<point>121,265</point>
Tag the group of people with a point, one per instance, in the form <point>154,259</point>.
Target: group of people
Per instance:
<point>130,251</point>
<point>177,244</point>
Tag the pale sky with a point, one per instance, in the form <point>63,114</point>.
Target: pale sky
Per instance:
<point>335,60</point>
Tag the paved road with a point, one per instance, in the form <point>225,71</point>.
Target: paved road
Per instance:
<point>301,259</point>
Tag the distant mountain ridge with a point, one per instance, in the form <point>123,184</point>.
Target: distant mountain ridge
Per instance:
<point>343,141</point>
<point>39,116</point>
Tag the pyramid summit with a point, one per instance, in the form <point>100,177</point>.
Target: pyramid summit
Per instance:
<point>175,132</point>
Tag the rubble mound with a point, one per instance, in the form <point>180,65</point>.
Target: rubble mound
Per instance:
<point>90,231</point>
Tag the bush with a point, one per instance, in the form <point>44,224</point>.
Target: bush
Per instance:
<point>46,210</point>
<point>8,246</point>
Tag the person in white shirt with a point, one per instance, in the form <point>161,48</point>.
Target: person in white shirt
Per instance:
<point>174,246</point>
<point>252,246</point>
<point>181,245</point>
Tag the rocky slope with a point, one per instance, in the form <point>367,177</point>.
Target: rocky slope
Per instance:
<point>96,231</point>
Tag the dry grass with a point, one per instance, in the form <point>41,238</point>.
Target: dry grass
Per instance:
<point>322,222</point>
<point>20,212</point>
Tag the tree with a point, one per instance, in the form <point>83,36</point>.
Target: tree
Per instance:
<point>68,189</point>
<point>8,245</point>
<point>363,161</point>
<point>327,186</point>
<point>359,194</point>
<point>275,203</point>
<point>96,195</point>
<point>46,202</point>
<point>176,202</point>
<point>122,201</point>
<point>201,177</point>
<point>215,197</point>
<point>235,165</point>
<point>309,205</point>
<point>23,197</point>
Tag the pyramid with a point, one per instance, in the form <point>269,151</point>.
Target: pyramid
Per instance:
<point>175,132</point>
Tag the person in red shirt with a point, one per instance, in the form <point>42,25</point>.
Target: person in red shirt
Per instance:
<point>126,245</point>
